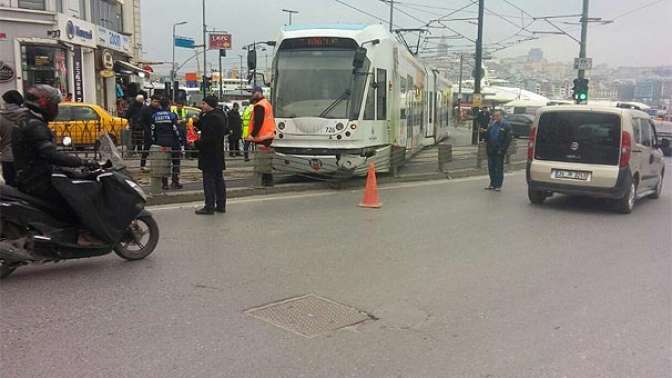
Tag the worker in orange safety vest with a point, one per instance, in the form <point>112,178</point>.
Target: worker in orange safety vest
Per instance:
<point>262,123</point>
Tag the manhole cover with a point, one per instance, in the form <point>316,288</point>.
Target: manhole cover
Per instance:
<point>309,315</point>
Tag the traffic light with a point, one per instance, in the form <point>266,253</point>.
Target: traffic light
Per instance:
<point>580,90</point>
<point>207,82</point>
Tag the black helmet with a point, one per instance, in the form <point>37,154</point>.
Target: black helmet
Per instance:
<point>43,99</point>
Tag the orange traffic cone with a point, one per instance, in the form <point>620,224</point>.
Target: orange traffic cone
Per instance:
<point>371,199</point>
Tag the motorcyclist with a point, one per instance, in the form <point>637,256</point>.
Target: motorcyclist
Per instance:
<point>35,154</point>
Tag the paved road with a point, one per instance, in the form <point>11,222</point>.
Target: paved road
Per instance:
<point>463,283</point>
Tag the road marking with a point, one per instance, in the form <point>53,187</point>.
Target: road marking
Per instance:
<point>322,193</point>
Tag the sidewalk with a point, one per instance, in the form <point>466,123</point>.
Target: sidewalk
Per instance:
<point>240,181</point>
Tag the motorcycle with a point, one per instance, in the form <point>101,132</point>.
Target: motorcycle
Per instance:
<point>105,205</point>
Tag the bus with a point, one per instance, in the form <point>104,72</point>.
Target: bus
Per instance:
<point>345,96</point>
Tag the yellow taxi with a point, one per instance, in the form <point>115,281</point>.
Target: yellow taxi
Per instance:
<point>85,123</point>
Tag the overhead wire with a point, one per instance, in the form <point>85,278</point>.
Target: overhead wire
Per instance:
<point>637,9</point>
<point>362,11</point>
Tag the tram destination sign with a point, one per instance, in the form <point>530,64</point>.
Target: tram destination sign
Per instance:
<point>318,43</point>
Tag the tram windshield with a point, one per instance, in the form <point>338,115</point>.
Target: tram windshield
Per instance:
<point>318,83</point>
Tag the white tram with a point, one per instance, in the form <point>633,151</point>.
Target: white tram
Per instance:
<point>346,95</point>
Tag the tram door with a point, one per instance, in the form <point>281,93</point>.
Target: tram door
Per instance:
<point>430,106</point>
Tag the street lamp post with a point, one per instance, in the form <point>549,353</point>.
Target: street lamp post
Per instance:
<point>290,12</point>
<point>240,70</point>
<point>172,67</point>
<point>205,51</point>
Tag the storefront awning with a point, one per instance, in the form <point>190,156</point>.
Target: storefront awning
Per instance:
<point>124,67</point>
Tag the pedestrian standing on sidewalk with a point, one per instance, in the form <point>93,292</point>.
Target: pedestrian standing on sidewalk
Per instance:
<point>236,127</point>
<point>10,117</point>
<point>213,126</point>
<point>146,118</point>
<point>133,115</point>
<point>498,138</point>
<point>483,121</point>
<point>166,133</point>
<point>247,116</point>
<point>262,127</point>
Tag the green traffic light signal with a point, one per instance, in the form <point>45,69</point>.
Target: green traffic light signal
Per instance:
<point>583,96</point>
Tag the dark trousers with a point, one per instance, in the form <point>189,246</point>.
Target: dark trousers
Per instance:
<point>246,149</point>
<point>137,139</point>
<point>9,173</point>
<point>496,170</point>
<point>176,157</point>
<point>145,152</point>
<point>234,144</point>
<point>215,189</point>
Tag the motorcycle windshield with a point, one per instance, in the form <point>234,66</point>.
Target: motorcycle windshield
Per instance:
<point>109,152</point>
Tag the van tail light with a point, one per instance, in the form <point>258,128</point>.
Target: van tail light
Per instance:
<point>626,149</point>
<point>530,143</point>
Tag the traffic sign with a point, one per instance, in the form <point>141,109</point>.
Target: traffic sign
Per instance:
<point>583,63</point>
<point>476,100</point>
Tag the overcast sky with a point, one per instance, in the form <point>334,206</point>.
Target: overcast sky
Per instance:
<point>639,37</point>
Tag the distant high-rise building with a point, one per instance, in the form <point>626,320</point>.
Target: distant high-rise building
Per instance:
<point>626,91</point>
<point>535,55</point>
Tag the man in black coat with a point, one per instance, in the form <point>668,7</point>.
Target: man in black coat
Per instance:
<point>133,115</point>
<point>236,127</point>
<point>146,119</point>
<point>213,126</point>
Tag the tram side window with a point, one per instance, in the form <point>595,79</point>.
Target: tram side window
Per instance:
<point>381,103</point>
<point>369,109</point>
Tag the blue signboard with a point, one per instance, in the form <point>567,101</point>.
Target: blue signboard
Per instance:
<point>187,43</point>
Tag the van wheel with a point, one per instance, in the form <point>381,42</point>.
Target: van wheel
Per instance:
<point>659,186</point>
<point>627,203</point>
<point>537,197</point>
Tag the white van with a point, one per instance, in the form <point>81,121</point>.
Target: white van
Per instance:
<point>604,152</point>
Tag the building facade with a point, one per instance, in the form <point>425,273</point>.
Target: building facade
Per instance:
<point>85,48</point>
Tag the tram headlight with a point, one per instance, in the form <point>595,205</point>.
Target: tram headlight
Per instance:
<point>281,125</point>
<point>339,126</point>
<point>353,126</point>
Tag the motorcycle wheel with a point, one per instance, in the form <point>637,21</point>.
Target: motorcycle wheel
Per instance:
<point>6,269</point>
<point>141,240</point>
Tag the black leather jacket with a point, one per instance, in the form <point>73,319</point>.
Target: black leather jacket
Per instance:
<point>35,156</point>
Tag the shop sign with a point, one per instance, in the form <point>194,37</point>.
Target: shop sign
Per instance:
<point>107,60</point>
<point>77,73</point>
<point>6,72</point>
<point>219,41</point>
<point>113,40</point>
<point>76,31</point>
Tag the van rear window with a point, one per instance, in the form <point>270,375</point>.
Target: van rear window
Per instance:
<point>582,137</point>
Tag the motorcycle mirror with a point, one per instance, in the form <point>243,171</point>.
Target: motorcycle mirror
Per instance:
<point>67,141</point>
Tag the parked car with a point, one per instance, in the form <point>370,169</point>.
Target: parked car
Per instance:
<point>520,124</point>
<point>85,123</point>
<point>664,131</point>
<point>602,152</point>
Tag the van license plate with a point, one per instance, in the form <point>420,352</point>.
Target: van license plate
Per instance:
<point>572,175</point>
